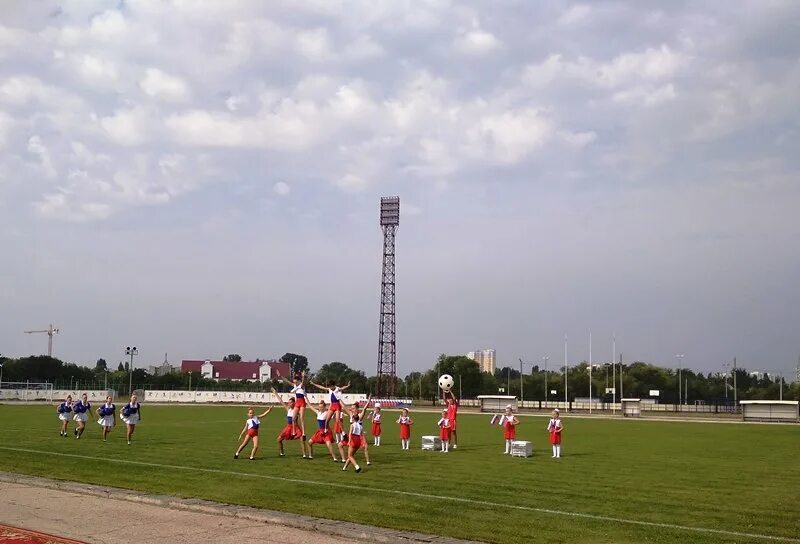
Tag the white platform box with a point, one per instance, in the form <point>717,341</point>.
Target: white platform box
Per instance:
<point>432,443</point>
<point>520,448</point>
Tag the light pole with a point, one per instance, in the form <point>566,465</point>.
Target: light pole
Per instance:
<point>725,366</point>
<point>1,375</point>
<point>131,351</point>
<point>190,380</point>
<point>679,357</point>
<point>545,359</point>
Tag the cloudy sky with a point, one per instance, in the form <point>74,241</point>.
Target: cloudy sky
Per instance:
<point>200,178</point>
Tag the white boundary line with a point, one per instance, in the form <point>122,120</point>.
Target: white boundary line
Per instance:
<point>594,517</point>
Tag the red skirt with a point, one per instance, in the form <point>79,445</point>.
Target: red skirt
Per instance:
<point>452,424</point>
<point>337,426</point>
<point>444,433</point>
<point>376,428</point>
<point>510,432</point>
<point>555,438</point>
<point>321,436</point>
<point>336,406</point>
<point>300,402</point>
<point>251,432</point>
<point>286,433</point>
<point>405,431</point>
<point>356,441</point>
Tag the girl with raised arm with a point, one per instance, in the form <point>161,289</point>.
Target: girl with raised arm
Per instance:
<point>299,392</point>
<point>251,426</point>
<point>290,431</point>
<point>334,398</point>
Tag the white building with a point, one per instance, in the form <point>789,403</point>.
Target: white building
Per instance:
<point>486,359</point>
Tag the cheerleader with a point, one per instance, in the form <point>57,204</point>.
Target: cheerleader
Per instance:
<point>554,428</point>
<point>338,430</point>
<point>444,431</point>
<point>354,411</point>
<point>299,392</point>
<point>290,431</point>
<point>64,410</point>
<point>131,415</point>
<point>356,440</point>
<point>405,429</point>
<point>452,413</point>
<point>251,430</point>
<point>82,409</point>
<point>509,423</point>
<point>323,434</point>
<point>334,398</point>
<point>107,418</point>
<point>375,416</point>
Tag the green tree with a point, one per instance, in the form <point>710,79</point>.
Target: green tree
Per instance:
<point>235,357</point>
<point>465,372</point>
<point>100,365</point>
<point>299,362</point>
<point>120,367</point>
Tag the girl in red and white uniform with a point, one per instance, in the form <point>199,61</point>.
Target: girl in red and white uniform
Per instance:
<point>64,411</point>
<point>554,428</point>
<point>405,428</point>
<point>509,423</point>
<point>356,440</point>
<point>334,394</point>
<point>323,434</point>
<point>353,411</point>
<point>250,429</point>
<point>452,414</point>
<point>444,431</point>
<point>299,392</point>
<point>338,430</point>
<point>375,416</point>
<point>290,431</point>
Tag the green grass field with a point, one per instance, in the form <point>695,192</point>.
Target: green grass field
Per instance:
<point>618,480</point>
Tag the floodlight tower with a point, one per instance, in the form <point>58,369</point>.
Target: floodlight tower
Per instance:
<point>387,354</point>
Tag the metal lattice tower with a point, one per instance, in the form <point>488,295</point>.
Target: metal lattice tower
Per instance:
<point>387,354</point>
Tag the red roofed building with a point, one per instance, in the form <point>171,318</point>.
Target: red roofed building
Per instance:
<point>252,371</point>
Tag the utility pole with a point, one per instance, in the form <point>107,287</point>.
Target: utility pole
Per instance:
<point>566,398</point>
<point>521,392</point>
<point>545,359</point>
<point>735,400</point>
<point>590,373</point>
<point>620,378</point>
<point>614,373</point>
<point>679,357</point>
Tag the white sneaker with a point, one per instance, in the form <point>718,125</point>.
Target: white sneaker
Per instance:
<point>455,446</point>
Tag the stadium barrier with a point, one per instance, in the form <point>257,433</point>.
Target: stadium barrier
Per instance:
<point>245,397</point>
<point>45,394</point>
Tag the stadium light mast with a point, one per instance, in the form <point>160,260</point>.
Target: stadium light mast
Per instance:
<point>679,357</point>
<point>387,338</point>
<point>131,351</point>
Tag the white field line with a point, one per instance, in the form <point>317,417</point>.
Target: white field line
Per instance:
<point>562,513</point>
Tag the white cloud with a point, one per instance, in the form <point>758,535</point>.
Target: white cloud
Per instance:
<point>509,136</point>
<point>314,44</point>
<point>627,69</point>
<point>575,14</point>
<point>577,139</point>
<point>281,188</point>
<point>351,183</point>
<point>97,70</point>
<point>476,42</point>
<point>130,127</point>
<point>159,84</point>
<point>647,96</point>
<point>36,147</point>
<point>363,48</point>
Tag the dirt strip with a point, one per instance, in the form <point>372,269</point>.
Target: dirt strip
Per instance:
<point>106,515</point>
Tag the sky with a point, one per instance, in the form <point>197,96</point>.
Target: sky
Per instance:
<point>200,178</point>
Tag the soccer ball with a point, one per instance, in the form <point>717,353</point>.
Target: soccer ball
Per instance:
<point>446,382</point>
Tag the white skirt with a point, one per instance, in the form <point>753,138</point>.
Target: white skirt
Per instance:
<point>64,416</point>
<point>132,419</point>
<point>81,417</point>
<point>106,421</point>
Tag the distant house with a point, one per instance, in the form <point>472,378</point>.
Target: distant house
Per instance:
<point>252,371</point>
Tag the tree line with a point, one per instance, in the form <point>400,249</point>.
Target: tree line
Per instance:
<point>636,379</point>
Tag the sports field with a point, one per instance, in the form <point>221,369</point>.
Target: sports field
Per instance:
<point>618,480</point>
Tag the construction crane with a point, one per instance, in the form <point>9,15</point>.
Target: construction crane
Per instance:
<point>50,332</point>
